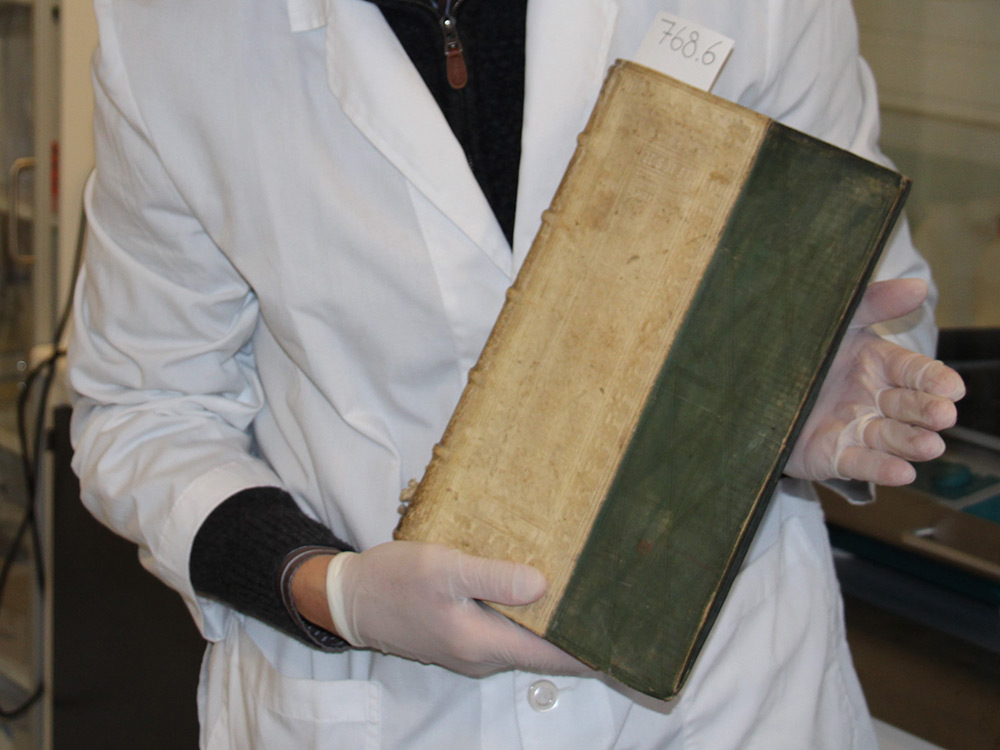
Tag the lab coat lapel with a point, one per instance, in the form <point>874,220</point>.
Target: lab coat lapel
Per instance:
<point>383,95</point>
<point>566,62</point>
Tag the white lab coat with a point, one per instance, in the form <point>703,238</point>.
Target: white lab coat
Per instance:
<point>286,242</point>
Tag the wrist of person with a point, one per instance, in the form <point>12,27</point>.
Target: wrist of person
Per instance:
<point>302,583</point>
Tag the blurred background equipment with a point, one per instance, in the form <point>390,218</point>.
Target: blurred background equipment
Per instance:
<point>920,569</point>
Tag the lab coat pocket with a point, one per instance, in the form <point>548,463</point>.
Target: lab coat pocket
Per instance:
<point>340,714</point>
<point>262,709</point>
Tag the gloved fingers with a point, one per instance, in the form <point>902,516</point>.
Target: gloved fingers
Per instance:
<point>917,408</point>
<point>867,465</point>
<point>887,300</point>
<point>903,440</point>
<point>497,581</point>
<point>851,436</point>
<point>877,449</point>
<point>507,644</point>
<point>512,645</point>
<point>908,369</point>
<point>422,602</point>
<point>475,640</point>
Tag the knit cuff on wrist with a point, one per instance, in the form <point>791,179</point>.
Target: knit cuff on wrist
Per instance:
<point>241,551</point>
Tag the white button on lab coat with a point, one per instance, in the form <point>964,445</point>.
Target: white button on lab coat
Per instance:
<point>290,271</point>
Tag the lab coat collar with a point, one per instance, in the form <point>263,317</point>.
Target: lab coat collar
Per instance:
<point>306,15</point>
<point>383,94</point>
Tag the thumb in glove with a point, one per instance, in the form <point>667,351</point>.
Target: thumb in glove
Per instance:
<point>424,602</point>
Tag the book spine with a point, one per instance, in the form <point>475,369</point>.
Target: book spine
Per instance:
<point>416,516</point>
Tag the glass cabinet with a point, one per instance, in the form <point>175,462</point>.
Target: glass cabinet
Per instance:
<point>21,605</point>
<point>17,178</point>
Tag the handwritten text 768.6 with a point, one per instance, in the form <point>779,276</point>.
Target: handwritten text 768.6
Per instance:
<point>686,42</point>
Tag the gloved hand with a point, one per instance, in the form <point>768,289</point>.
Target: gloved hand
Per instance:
<point>419,601</point>
<point>881,405</point>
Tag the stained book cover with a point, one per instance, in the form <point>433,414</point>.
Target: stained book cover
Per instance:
<point>660,349</point>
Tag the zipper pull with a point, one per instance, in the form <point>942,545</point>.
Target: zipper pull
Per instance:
<point>454,60</point>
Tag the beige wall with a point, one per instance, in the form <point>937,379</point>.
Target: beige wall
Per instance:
<point>937,63</point>
<point>76,150</point>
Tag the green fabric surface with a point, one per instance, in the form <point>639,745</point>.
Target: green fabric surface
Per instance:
<point>801,239</point>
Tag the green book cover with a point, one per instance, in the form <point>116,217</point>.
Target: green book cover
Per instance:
<point>660,349</point>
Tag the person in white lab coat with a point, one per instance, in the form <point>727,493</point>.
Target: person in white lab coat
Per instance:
<point>296,252</point>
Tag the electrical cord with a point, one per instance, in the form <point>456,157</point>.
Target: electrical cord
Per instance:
<point>45,371</point>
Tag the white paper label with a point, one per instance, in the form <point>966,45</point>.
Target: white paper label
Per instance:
<point>684,50</point>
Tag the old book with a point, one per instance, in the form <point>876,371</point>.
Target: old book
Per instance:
<point>636,401</point>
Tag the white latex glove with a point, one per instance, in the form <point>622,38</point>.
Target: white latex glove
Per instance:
<point>881,405</point>
<point>421,601</point>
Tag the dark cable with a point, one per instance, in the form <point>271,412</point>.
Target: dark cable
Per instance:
<point>30,460</point>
